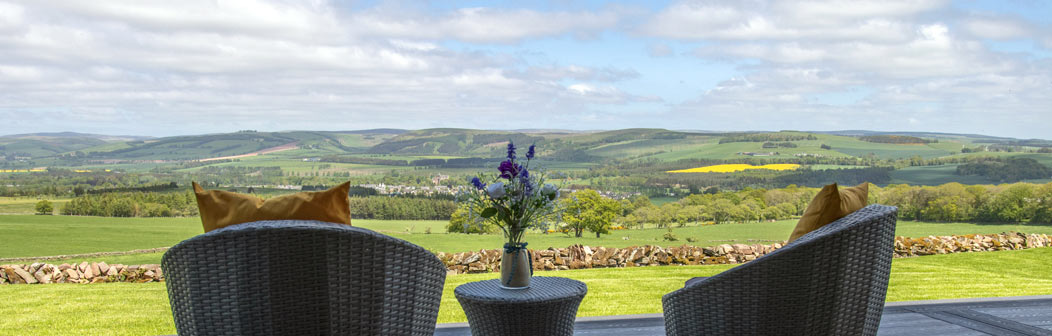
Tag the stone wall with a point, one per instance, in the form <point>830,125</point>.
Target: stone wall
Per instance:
<point>909,247</point>
<point>578,257</point>
<point>40,273</point>
<point>573,257</point>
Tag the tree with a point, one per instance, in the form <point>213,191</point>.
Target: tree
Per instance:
<point>1010,205</point>
<point>463,221</point>
<point>639,201</point>
<point>44,207</point>
<point>724,210</point>
<point>586,209</point>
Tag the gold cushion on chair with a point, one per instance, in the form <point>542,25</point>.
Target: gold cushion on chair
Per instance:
<point>829,205</point>
<point>223,208</point>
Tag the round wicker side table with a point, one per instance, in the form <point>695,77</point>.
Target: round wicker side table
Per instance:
<point>548,307</point>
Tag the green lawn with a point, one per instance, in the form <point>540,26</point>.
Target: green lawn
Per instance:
<point>104,309</point>
<point>56,235</point>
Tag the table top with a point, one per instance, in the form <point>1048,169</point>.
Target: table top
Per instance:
<point>541,289</point>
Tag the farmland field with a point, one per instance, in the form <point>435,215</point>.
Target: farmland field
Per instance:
<point>58,235</point>
<point>300,166</point>
<point>934,175</point>
<point>855,147</point>
<point>730,150</point>
<point>829,167</point>
<point>105,309</point>
<point>25,205</point>
<point>730,168</point>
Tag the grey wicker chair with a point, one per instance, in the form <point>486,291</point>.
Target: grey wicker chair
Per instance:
<point>831,281</point>
<point>302,278</point>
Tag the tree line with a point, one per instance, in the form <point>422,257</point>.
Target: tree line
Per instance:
<point>181,204</point>
<point>1007,170</point>
<point>953,202</point>
<point>401,208</point>
<point>133,204</point>
<point>767,137</point>
<point>896,139</point>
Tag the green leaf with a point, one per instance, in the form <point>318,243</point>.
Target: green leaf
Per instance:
<point>489,212</point>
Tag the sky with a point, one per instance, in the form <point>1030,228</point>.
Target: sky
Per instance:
<point>161,68</point>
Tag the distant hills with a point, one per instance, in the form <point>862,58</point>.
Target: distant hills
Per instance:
<point>561,145</point>
<point>75,135</point>
<point>914,134</point>
<point>52,144</point>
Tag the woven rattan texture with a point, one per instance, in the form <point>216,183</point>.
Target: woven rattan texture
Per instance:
<point>548,307</point>
<point>829,282</point>
<point>302,278</point>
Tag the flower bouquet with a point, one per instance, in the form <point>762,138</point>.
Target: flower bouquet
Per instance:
<point>514,201</point>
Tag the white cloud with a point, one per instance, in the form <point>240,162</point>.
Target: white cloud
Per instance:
<point>577,72</point>
<point>996,28</point>
<point>479,25</point>
<point>659,50</point>
<point>873,21</point>
<point>606,94</point>
<point>216,66</point>
<point>106,66</point>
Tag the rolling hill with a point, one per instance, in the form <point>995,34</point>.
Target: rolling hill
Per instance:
<point>641,155</point>
<point>625,145</point>
<point>54,144</point>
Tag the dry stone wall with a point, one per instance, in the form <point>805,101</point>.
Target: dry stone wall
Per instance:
<point>41,273</point>
<point>909,247</point>
<point>578,256</point>
<point>573,257</point>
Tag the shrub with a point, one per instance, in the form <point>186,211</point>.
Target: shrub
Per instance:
<point>669,236</point>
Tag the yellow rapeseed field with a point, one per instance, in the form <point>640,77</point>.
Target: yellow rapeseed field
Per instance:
<point>39,170</point>
<point>34,170</point>
<point>730,168</point>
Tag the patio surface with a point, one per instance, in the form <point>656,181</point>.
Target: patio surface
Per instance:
<point>1009,316</point>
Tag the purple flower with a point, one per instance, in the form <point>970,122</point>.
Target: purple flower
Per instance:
<point>509,169</point>
<point>529,153</point>
<point>525,179</point>
<point>511,151</point>
<point>477,183</point>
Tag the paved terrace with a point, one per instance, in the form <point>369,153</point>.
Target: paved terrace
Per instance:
<point>1008,316</point>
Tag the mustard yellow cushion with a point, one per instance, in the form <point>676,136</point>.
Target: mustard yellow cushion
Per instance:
<point>829,205</point>
<point>223,208</point>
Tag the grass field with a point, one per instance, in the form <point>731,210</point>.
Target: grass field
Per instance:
<point>934,175</point>
<point>58,235</point>
<point>841,146</point>
<point>25,205</point>
<point>55,235</point>
<point>855,147</point>
<point>105,309</point>
<point>730,150</point>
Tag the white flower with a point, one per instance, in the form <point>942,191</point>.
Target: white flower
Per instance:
<point>550,190</point>
<point>495,190</point>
